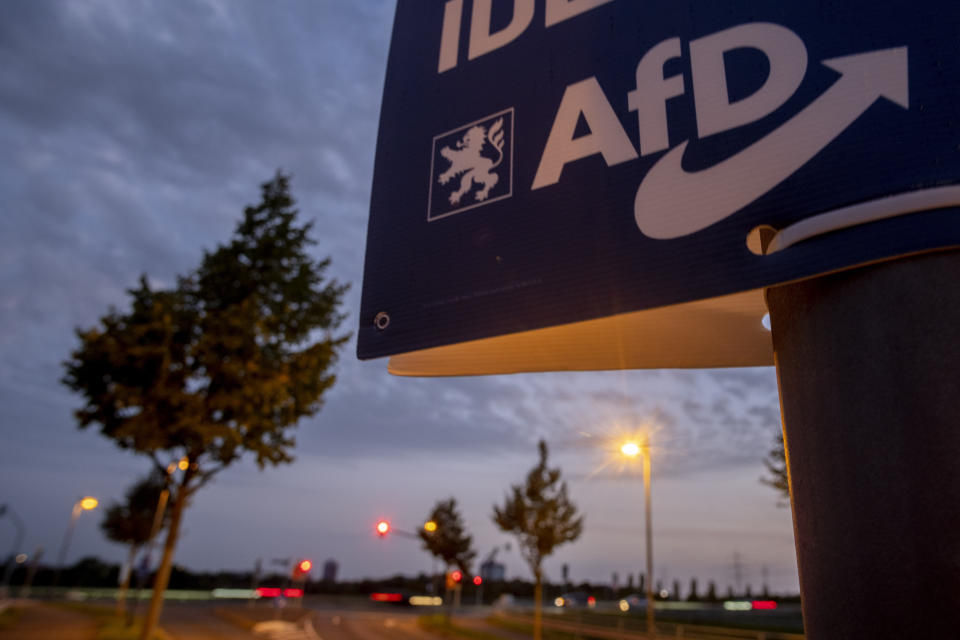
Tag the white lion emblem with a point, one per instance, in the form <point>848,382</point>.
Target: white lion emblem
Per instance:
<point>466,159</point>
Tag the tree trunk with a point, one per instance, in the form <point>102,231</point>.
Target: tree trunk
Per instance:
<point>125,585</point>
<point>537,606</point>
<point>166,563</point>
<point>447,598</point>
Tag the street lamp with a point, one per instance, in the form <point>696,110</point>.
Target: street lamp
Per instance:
<point>83,504</point>
<point>6,510</point>
<point>632,450</point>
<point>384,527</point>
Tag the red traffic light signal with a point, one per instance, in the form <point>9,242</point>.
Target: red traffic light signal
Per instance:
<point>477,580</point>
<point>457,575</point>
<point>383,528</point>
<point>305,566</point>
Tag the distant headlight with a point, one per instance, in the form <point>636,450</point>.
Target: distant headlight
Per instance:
<point>558,602</point>
<point>624,605</point>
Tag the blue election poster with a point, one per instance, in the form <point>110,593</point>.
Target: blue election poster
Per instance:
<point>544,163</point>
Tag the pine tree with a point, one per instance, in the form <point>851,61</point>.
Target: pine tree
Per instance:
<point>693,596</point>
<point>711,592</point>
<point>776,464</point>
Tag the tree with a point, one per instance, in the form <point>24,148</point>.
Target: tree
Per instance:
<point>542,517</point>
<point>776,464</point>
<point>711,592</point>
<point>132,522</point>
<point>693,596</point>
<point>224,363</point>
<point>449,541</point>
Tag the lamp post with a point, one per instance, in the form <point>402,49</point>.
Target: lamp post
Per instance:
<point>632,450</point>
<point>18,541</point>
<point>83,504</point>
<point>383,528</point>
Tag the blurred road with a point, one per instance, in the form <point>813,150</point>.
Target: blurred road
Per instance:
<point>205,622</point>
<point>199,622</point>
<point>369,625</point>
<point>333,619</point>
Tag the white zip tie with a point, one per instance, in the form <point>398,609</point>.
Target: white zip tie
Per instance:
<point>880,209</point>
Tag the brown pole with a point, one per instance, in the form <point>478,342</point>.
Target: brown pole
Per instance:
<point>868,365</point>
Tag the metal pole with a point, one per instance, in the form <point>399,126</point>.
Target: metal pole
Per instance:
<point>868,363</point>
<point>17,543</point>
<point>77,509</point>
<point>257,568</point>
<point>649,527</point>
<point>31,571</point>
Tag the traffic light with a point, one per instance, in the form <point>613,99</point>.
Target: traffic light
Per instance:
<point>477,580</point>
<point>301,569</point>
<point>453,579</point>
<point>383,528</point>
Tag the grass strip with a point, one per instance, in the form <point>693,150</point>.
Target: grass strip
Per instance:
<point>440,625</point>
<point>527,629</point>
<point>631,622</point>
<point>9,617</point>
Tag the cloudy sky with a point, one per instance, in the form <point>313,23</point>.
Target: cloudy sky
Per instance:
<point>133,133</point>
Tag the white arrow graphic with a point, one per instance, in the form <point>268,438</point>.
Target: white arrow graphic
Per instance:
<point>671,202</point>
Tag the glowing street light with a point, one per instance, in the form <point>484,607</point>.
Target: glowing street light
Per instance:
<point>429,526</point>
<point>384,527</point>
<point>86,503</point>
<point>631,450</point>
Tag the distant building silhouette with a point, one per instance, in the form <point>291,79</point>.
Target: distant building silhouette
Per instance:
<point>492,571</point>
<point>330,571</point>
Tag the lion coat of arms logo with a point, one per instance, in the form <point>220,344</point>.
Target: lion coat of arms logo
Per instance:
<point>474,164</point>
